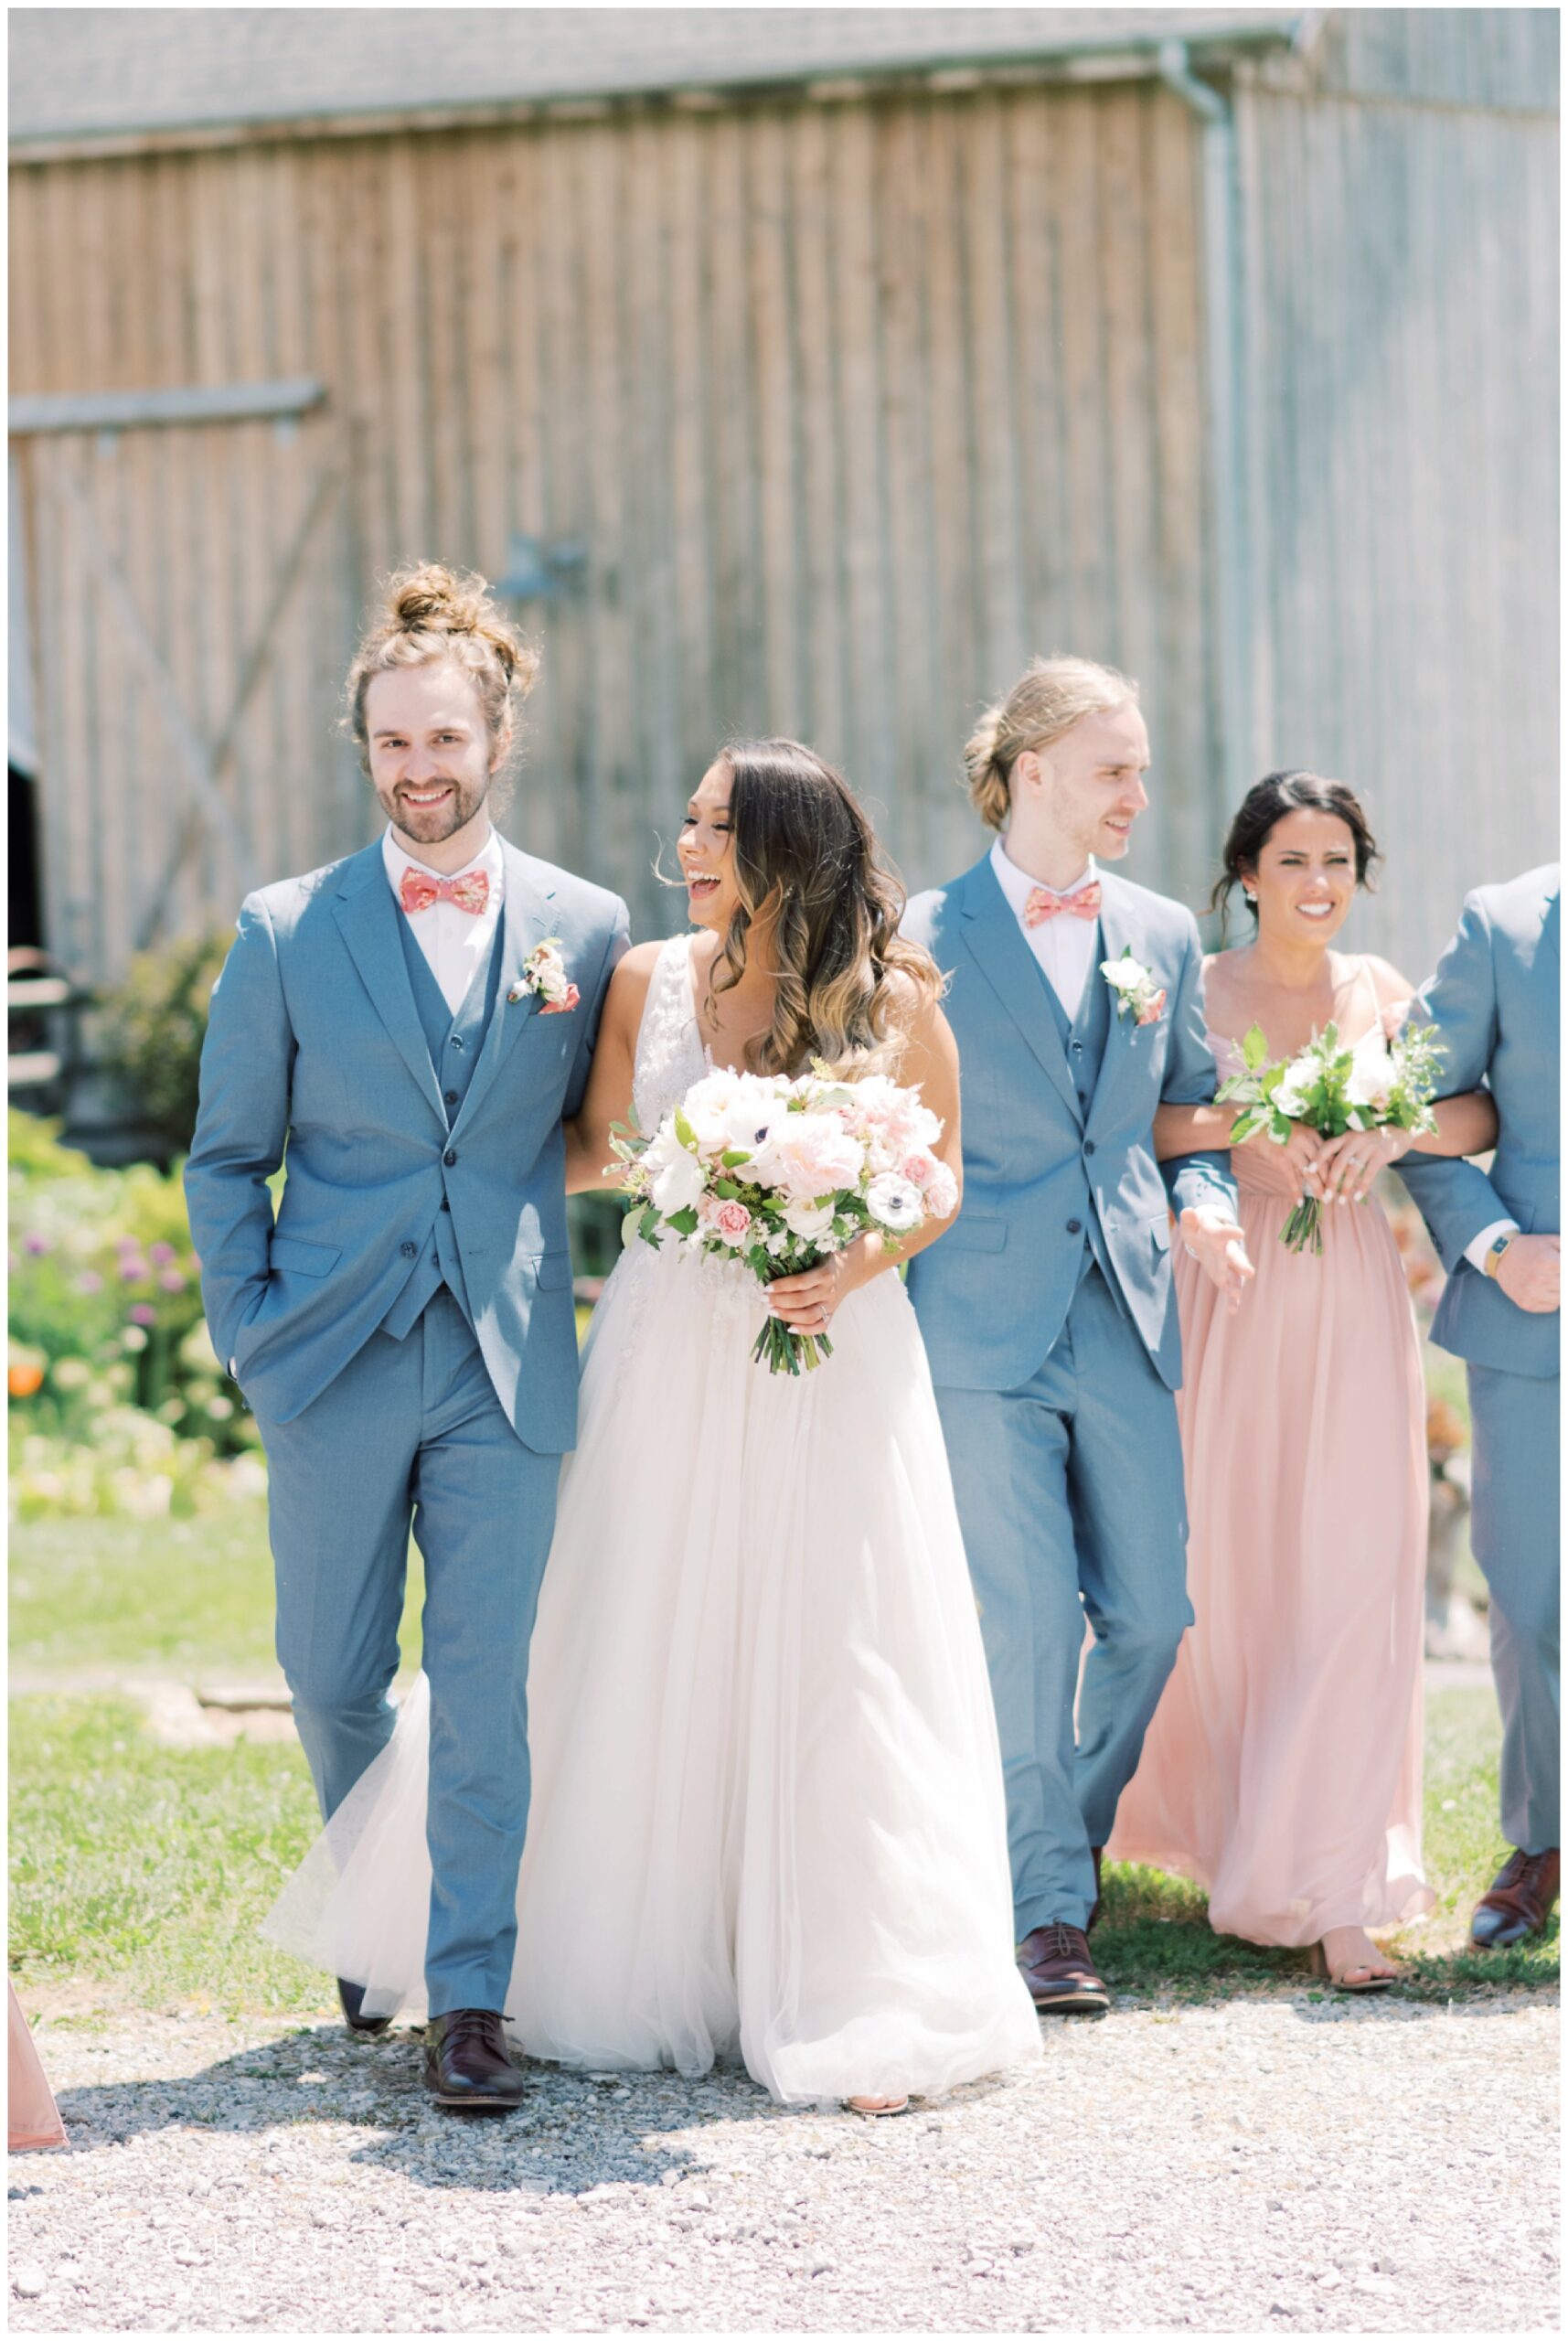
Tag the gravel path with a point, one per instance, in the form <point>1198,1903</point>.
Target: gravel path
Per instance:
<point>1273,2163</point>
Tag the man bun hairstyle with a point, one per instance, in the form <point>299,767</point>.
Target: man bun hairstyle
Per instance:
<point>428,613</point>
<point>1047,700</point>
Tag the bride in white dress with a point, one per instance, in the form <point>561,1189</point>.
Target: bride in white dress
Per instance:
<point>767,1816</point>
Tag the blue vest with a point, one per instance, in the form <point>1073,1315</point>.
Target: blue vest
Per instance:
<point>1083,1045</point>
<point>455,1043</point>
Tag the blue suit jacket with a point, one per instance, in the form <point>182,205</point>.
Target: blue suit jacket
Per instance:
<point>1493,1000</point>
<point>315,1047</point>
<point>993,1293</point>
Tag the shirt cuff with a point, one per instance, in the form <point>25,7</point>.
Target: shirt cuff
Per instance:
<point>1476,1250</point>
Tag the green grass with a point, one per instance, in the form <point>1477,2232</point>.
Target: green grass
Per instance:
<point>187,1598</point>
<point>146,1869</point>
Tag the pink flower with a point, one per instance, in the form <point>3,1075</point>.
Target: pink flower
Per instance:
<point>132,1271</point>
<point>562,1007</point>
<point>160,1254</point>
<point>732,1221</point>
<point>172,1281</point>
<point>143,1314</point>
<point>812,1155</point>
<point>941,1193</point>
<point>36,1244</point>
<point>90,1281</point>
<point>920,1167</point>
<point>1153,1011</point>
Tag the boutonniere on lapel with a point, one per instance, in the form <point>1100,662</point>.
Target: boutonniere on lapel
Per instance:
<point>544,978</point>
<point>1136,993</point>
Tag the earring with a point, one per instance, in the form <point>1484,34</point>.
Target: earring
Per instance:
<point>1249,893</point>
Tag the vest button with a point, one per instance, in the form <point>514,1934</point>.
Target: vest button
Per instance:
<point>449,1157</point>
<point>407,1250</point>
<point>456,1040</point>
<point>450,1097</point>
<point>1075,1227</point>
<point>1088,1145</point>
<point>1077,1048</point>
<point>444,1205</point>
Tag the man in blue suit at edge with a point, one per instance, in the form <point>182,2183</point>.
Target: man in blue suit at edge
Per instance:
<point>1494,1001</point>
<point>411,1023</point>
<point>1048,1311</point>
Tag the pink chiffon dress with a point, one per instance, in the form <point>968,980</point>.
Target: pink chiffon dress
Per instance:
<point>1282,1770</point>
<point>31,2118</point>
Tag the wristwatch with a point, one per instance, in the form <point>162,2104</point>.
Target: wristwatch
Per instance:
<point>1495,1251</point>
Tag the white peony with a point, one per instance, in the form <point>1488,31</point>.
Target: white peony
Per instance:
<point>677,1184</point>
<point>1290,1097</point>
<point>1124,975</point>
<point>1368,1084</point>
<point>807,1220</point>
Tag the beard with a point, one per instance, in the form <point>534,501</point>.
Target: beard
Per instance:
<point>433,824</point>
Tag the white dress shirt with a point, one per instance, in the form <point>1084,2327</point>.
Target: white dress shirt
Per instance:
<point>456,943</point>
<point>1066,947</point>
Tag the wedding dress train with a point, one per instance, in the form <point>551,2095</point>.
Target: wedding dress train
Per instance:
<point>767,1815</point>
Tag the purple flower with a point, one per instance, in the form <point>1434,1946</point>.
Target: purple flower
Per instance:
<point>133,1271</point>
<point>90,1281</point>
<point>35,1245</point>
<point>172,1280</point>
<point>144,1313</point>
<point>161,1253</point>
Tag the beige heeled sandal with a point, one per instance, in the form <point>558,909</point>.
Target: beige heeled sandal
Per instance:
<point>876,2108</point>
<point>1317,1964</point>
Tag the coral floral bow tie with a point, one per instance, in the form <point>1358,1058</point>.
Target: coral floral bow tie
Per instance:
<point>1043,904</point>
<point>470,893</point>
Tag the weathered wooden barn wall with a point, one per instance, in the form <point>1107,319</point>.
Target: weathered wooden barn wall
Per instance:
<point>853,406</point>
<point>1400,225</point>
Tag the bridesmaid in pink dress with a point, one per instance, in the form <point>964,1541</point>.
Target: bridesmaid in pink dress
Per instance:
<point>1283,1767</point>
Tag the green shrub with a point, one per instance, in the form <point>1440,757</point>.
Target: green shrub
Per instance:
<point>154,1027</point>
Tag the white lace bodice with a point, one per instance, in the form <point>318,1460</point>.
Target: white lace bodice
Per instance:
<point>670,1055</point>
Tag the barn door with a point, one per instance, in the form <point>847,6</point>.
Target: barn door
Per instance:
<point>193,608</point>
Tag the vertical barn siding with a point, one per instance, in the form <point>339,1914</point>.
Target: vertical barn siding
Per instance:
<point>853,408</point>
<point>1401,267</point>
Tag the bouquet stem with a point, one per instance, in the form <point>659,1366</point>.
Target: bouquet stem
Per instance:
<point>1304,1226</point>
<point>789,1352</point>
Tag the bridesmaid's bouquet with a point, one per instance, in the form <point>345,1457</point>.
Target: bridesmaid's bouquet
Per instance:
<point>779,1173</point>
<point>1327,1086</point>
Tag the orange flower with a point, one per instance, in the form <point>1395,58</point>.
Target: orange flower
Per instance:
<point>22,1378</point>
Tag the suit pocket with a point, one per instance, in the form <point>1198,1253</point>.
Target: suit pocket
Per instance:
<point>974,1232</point>
<point>1160,1230</point>
<point>299,1258</point>
<point>553,1270</point>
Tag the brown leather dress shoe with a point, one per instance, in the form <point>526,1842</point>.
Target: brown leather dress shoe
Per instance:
<point>1518,1900</point>
<point>466,2064</point>
<point>1055,1963</point>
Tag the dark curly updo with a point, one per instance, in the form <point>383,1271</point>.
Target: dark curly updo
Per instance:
<point>1265,804</point>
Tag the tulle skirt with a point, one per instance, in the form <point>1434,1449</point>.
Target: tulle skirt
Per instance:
<point>767,1818</point>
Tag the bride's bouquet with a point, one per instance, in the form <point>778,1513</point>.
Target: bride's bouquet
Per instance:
<point>1327,1086</point>
<point>779,1173</point>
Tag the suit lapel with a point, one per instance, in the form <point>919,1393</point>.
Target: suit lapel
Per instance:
<point>367,918</point>
<point>524,922</point>
<point>995,941</point>
<point>1117,935</point>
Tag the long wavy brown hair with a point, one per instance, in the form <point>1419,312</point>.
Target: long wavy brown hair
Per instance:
<point>814,880</point>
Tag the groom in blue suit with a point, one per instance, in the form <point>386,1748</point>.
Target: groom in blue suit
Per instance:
<point>1047,1309</point>
<point>403,1032</point>
<point>1493,1000</point>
